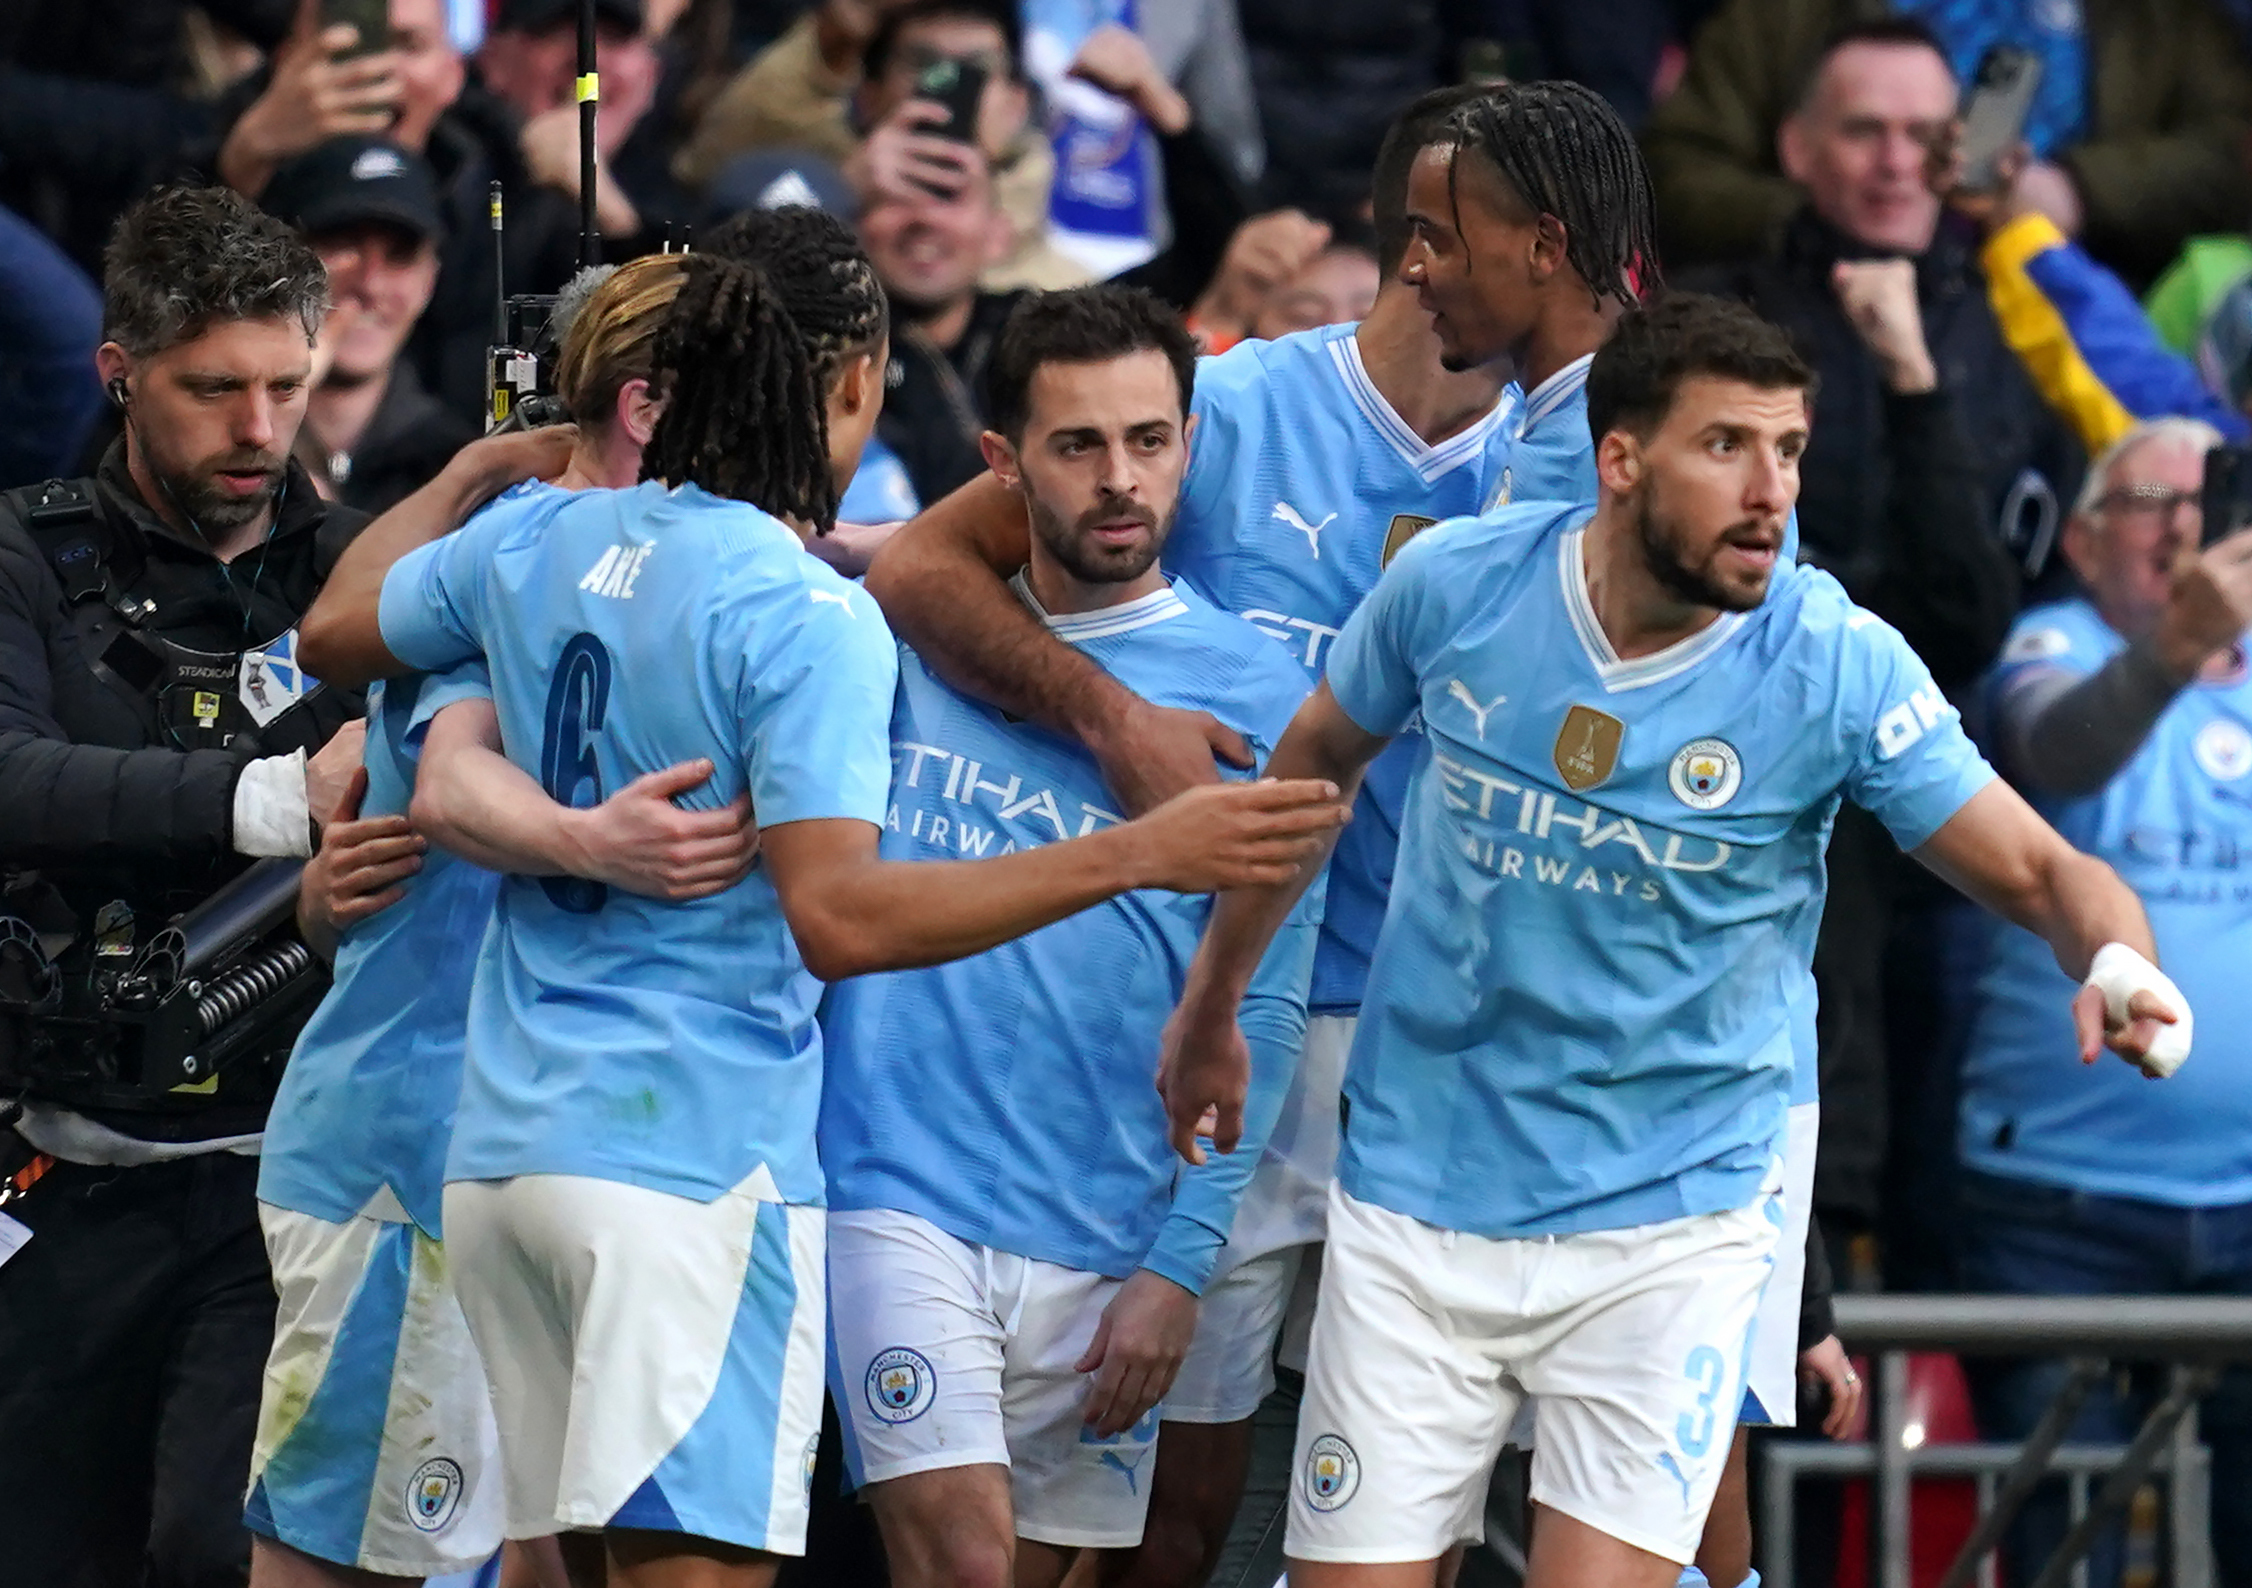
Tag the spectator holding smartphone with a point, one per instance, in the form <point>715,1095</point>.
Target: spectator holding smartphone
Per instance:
<point>2124,713</point>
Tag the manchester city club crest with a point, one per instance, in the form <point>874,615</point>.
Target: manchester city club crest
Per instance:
<point>1705,774</point>
<point>812,1455</point>
<point>900,1385</point>
<point>1333,1473</point>
<point>434,1494</point>
<point>1587,747</point>
<point>1405,527</point>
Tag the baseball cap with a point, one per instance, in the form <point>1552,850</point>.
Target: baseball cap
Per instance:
<point>537,16</point>
<point>351,181</point>
<point>772,179</point>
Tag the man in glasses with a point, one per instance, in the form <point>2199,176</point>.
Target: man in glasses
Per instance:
<point>2125,715</point>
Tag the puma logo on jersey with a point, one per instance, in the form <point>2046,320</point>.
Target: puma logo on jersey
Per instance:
<point>1458,690</point>
<point>615,573</point>
<point>1290,515</point>
<point>836,598</point>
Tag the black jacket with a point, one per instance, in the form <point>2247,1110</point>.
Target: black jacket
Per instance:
<point>935,399</point>
<point>91,796</point>
<point>1904,498</point>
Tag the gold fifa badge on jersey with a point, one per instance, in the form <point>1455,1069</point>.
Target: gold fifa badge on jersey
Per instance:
<point>1587,747</point>
<point>1405,527</point>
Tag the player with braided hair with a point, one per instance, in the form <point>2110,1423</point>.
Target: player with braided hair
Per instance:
<point>1531,215</point>
<point>735,356</point>
<point>831,290</point>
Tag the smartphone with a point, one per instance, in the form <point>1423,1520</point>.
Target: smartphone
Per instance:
<point>371,17</point>
<point>2226,499</point>
<point>1994,112</point>
<point>960,87</point>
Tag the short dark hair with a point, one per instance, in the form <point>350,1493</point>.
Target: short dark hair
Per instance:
<point>183,259</point>
<point>1656,346</point>
<point>885,40</point>
<point>1563,151</point>
<point>1084,325</point>
<point>1422,123</point>
<point>1896,32</point>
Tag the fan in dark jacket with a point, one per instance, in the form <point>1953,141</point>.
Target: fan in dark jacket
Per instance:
<point>1931,450</point>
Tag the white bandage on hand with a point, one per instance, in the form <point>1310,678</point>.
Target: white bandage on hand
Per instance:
<point>2118,972</point>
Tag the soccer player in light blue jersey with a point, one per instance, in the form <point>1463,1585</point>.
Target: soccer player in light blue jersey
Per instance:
<point>1014,1271</point>
<point>633,1191</point>
<point>1568,1088</point>
<point>376,1450</point>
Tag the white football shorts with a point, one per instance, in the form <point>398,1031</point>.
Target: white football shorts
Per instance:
<point>655,1360</point>
<point>946,1354</point>
<point>375,1443</point>
<point>1427,1341</point>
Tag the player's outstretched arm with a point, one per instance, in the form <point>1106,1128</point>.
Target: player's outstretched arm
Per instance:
<point>340,639</point>
<point>471,799</point>
<point>941,581</point>
<point>853,914</point>
<point>1999,851</point>
<point>1204,1065</point>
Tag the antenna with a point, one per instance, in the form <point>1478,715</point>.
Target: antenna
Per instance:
<point>500,270</point>
<point>590,96</point>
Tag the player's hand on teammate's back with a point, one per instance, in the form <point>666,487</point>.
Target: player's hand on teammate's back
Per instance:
<point>1237,835</point>
<point>497,462</point>
<point>1137,1350</point>
<point>1151,753</point>
<point>639,840</point>
<point>360,868</point>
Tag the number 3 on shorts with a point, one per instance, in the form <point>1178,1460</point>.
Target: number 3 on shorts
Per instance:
<point>1706,1369</point>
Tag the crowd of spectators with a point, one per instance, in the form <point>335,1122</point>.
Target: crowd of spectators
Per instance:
<point>1976,351</point>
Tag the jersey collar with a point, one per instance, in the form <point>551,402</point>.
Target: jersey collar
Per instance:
<point>1616,673</point>
<point>1428,462</point>
<point>1078,627</point>
<point>1552,393</point>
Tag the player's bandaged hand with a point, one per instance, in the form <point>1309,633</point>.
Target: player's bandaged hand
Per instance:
<point>2134,1008</point>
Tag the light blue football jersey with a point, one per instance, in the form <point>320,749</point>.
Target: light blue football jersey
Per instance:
<point>2176,823</point>
<point>1551,451</point>
<point>1007,1097</point>
<point>671,1046</point>
<point>1302,482</point>
<point>1589,989</point>
<point>367,1101</point>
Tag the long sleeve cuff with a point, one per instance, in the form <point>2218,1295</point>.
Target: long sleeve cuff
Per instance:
<point>272,815</point>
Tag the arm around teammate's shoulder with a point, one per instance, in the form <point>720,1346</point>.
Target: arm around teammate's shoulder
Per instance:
<point>942,583</point>
<point>341,637</point>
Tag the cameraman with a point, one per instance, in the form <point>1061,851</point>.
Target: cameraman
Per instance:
<point>155,733</point>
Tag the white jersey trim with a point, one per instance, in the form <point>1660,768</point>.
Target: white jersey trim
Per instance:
<point>1429,462</point>
<point>1551,393</point>
<point>1156,607</point>
<point>1615,672</point>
